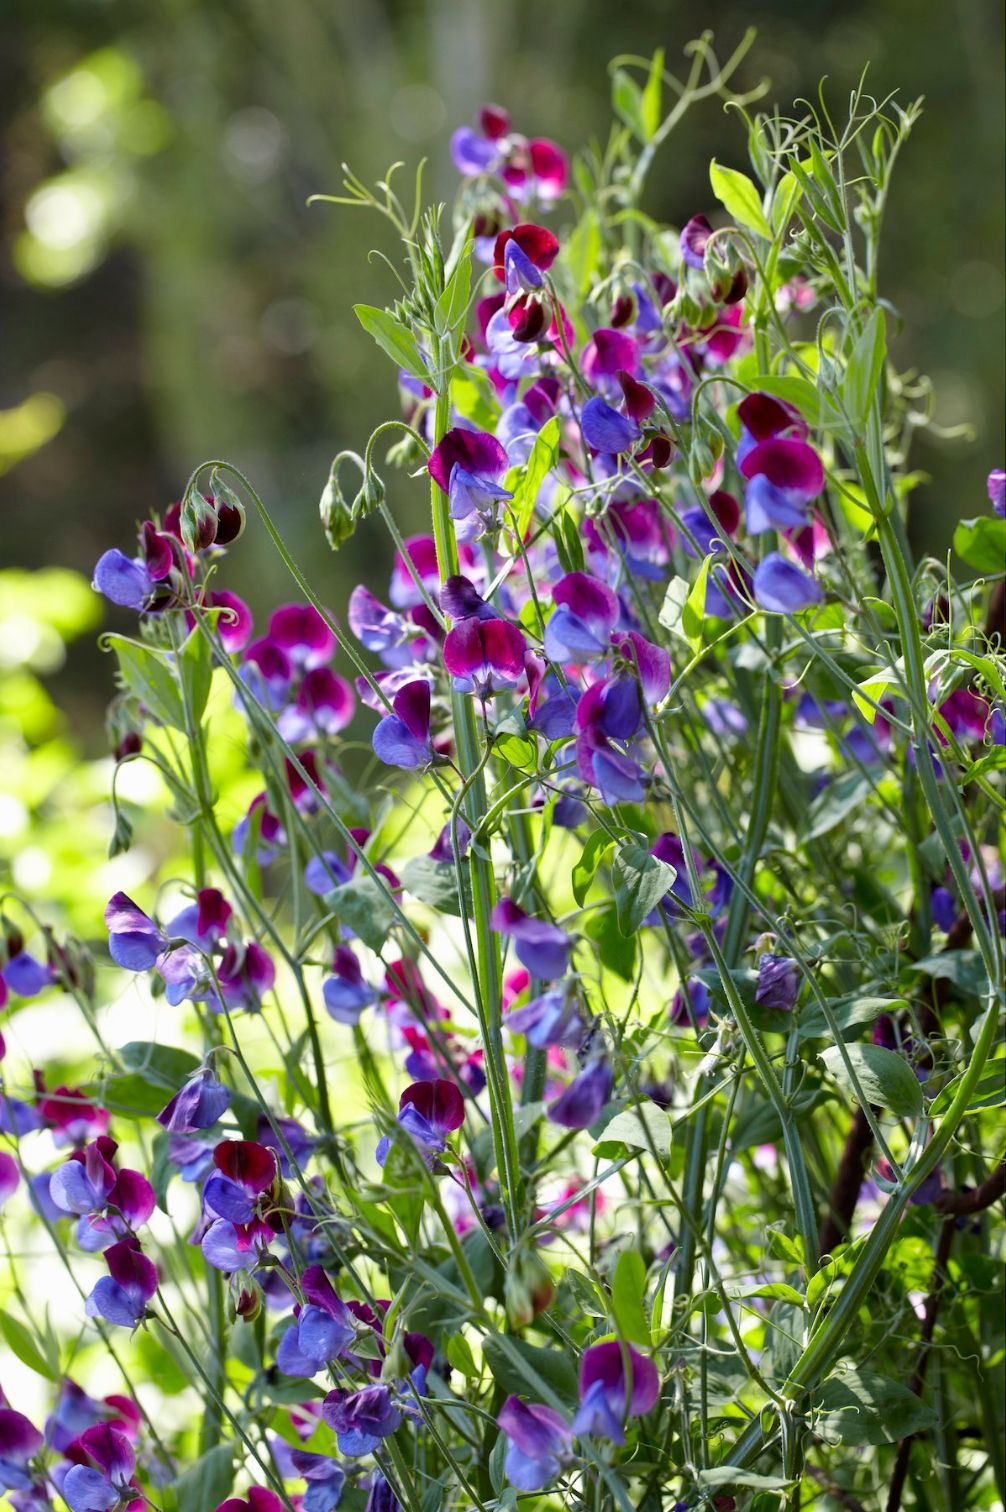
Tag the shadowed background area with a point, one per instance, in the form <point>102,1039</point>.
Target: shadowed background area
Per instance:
<point>168,296</point>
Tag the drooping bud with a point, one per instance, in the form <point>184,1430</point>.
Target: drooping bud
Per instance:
<point>198,522</point>
<point>528,1288</point>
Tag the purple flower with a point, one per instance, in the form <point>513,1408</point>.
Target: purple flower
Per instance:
<point>605,429</point>
<point>784,476</point>
<point>484,656</point>
<point>245,1170</point>
<point>605,1399</point>
<point>580,627</point>
<point>539,1441</point>
<point>782,588</point>
<point>10,1177</point>
<point>282,1134</point>
<point>135,942</point>
<point>20,1441</point>
<point>325,1480</point>
<point>997,491</point>
<point>473,153</point>
<point>324,705</point>
<point>86,1489</point>
<point>694,237</point>
<point>197,1105</point>
<point>428,1111</point>
<point>361,1419</point>
<point>381,1498</point>
<point>652,665</point>
<point>460,598</point>
<point>324,872</point>
<point>609,711</point>
<point>123,580</point>
<point>582,1102</point>
<point>552,1019</point>
<point>522,254</point>
<point>778,982</point>
<point>345,992</point>
<point>403,738</point>
<point>542,947</point>
<point>121,1297</point>
<point>470,466</point>
<point>323,1329</point>
<point>299,631</point>
<point>25,975</point>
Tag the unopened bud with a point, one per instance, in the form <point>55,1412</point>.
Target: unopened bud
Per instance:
<point>527,1289</point>
<point>198,522</point>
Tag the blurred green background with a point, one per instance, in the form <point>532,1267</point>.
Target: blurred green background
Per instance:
<point>168,296</point>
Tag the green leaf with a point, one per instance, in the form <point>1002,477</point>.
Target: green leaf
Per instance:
<point>627,102</point>
<point>672,609</point>
<point>989,1093</point>
<point>784,197</point>
<point>886,1078</point>
<point>628,1293</point>
<point>981,543</point>
<point>451,308</point>
<point>694,611</point>
<point>864,370</point>
<point>207,1482</point>
<point>583,251</point>
<point>775,1290</point>
<point>460,1357</point>
<point>435,883</point>
<point>639,882</point>
<point>149,675</point>
<point>651,108</point>
<point>393,338</point>
<point>539,464</point>
<point>643,1127</point>
<point>860,1407</point>
<point>132,1097</point>
<point>195,663</point>
<point>727,1475</point>
<point>547,1375</point>
<point>617,951</point>
<point>161,1065</point>
<point>739,197</point>
<point>22,1343</point>
<point>592,856</point>
<point>848,1013</point>
<point>962,968</point>
<point>363,905</point>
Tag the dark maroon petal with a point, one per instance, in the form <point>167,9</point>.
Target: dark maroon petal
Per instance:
<point>694,237</point>
<point>475,451</point>
<point>460,599</point>
<point>726,509</point>
<point>603,1362</point>
<point>607,352</point>
<point>19,1438</point>
<point>439,1102</point>
<point>494,122</point>
<point>129,1266</point>
<point>528,318</point>
<point>640,401</point>
<point>250,1164</point>
<point>787,464</point>
<point>536,242</point>
<point>504,648</point>
<point>271,660</point>
<point>111,1450</point>
<point>158,552</point>
<point>412,705</point>
<point>763,417</point>
<point>463,650</point>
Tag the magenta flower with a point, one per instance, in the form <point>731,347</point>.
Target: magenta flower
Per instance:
<point>402,739</point>
<point>361,1419</point>
<point>267,671</point>
<point>605,1397</point>
<point>234,624</point>
<point>784,473</point>
<point>10,1177</point>
<point>652,665</point>
<point>257,1500</point>
<point>554,1018</point>
<point>586,612</point>
<point>428,1111</point>
<point>421,551</point>
<point>470,467</point>
<point>539,1442</point>
<point>324,705</point>
<point>345,992</point>
<point>73,1118</point>
<point>323,1329</point>
<point>607,354</point>
<point>542,947</point>
<point>299,631</point>
<point>121,1297</point>
<point>522,255</point>
<point>20,1441</point>
<point>245,973</point>
<point>245,1171</point>
<point>197,1105</point>
<point>134,942</point>
<point>484,656</point>
<point>583,1101</point>
<point>694,239</point>
<point>782,588</point>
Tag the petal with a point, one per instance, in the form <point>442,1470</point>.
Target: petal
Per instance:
<point>694,237</point>
<point>439,1101</point>
<point>121,580</point>
<point>782,588</point>
<point>582,1103</point>
<point>87,1490</point>
<point>607,352</point>
<point>788,464</point>
<point>475,451</point>
<point>605,430</point>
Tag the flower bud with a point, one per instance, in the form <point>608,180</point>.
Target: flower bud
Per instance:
<point>198,522</point>
<point>527,1289</point>
<point>129,744</point>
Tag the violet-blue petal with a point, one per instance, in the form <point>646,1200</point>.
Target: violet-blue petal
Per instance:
<point>605,430</point>
<point>782,588</point>
<point>582,1103</point>
<point>122,580</point>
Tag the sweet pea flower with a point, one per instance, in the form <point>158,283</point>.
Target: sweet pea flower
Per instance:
<point>134,940</point>
<point>782,588</point>
<point>246,1170</point>
<point>10,1177</point>
<point>421,555</point>
<point>609,711</point>
<point>638,532</point>
<point>345,992</point>
<point>582,1102</point>
<point>606,430</point>
<point>579,629</point>
<point>323,1328</point>
<point>25,976</point>
<point>324,706</point>
<point>361,1419</point>
<point>522,255</point>
<point>693,241</point>
<point>231,1247</point>
<point>470,466</point>
<point>539,1441</point>
<point>428,1111</point>
<point>778,982</point>
<point>542,947</point>
<point>325,1479</point>
<point>605,1400</point>
<point>997,491</point>
<point>402,738</point>
<point>381,1498</point>
<point>72,1117</point>
<point>257,1499</point>
<point>554,1018</point>
<point>484,656</point>
<point>267,671</point>
<point>245,973</point>
<point>199,1104</point>
<point>300,632</point>
<point>784,473</point>
<point>108,1482</point>
<point>121,1297</point>
<point>125,581</point>
<point>20,1441</point>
